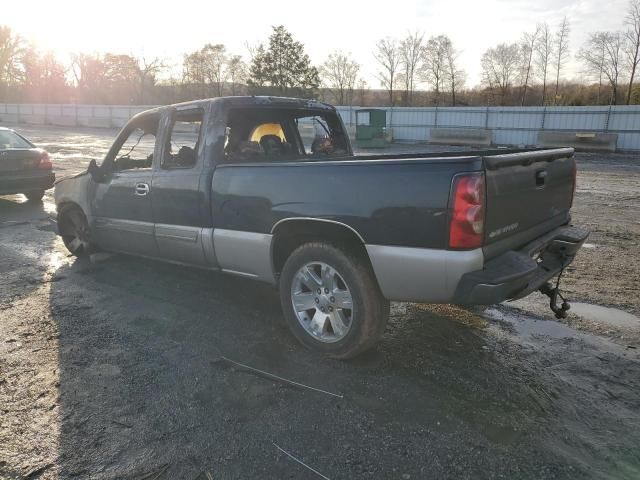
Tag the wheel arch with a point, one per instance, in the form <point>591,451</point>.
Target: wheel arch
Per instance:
<point>289,233</point>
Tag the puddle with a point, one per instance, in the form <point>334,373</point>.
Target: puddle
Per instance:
<point>610,316</point>
<point>526,326</point>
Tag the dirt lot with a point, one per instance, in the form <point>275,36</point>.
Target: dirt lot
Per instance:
<point>113,368</point>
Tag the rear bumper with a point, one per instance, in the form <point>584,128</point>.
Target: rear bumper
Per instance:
<point>26,182</point>
<point>516,274</point>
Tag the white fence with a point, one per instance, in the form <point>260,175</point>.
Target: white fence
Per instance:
<point>513,125</point>
<point>509,125</point>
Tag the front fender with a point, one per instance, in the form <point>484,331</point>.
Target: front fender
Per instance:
<point>75,190</point>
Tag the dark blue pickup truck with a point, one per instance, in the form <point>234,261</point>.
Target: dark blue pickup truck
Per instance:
<point>269,188</point>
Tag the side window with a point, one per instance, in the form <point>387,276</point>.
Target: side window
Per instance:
<point>319,137</point>
<point>184,140</point>
<point>137,150</point>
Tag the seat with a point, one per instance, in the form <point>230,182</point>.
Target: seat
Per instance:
<point>271,144</point>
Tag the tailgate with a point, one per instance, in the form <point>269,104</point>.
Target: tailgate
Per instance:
<point>528,194</point>
<point>19,160</point>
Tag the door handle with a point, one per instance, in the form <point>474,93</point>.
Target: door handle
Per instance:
<point>142,189</point>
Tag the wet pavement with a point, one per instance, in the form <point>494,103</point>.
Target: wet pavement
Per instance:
<point>113,368</point>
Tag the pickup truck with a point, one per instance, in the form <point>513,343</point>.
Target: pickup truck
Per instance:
<point>269,188</point>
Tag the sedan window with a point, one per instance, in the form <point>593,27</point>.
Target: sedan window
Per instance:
<point>9,139</point>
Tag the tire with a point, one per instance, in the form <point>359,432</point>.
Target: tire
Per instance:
<point>74,230</point>
<point>340,278</point>
<point>34,196</point>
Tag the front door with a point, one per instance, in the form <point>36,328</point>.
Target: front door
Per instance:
<point>179,200</point>
<point>122,209</point>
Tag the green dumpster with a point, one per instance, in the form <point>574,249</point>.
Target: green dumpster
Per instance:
<point>370,128</point>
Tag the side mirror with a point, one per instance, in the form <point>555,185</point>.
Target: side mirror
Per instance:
<point>95,171</point>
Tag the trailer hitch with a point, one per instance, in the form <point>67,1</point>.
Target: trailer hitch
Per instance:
<point>554,293</point>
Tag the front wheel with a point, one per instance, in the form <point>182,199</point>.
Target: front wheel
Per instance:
<point>74,230</point>
<point>331,300</point>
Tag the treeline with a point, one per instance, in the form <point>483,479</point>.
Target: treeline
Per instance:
<point>416,70</point>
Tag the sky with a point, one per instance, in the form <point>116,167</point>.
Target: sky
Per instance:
<point>169,29</point>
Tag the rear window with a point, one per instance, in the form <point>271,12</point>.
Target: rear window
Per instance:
<point>9,139</point>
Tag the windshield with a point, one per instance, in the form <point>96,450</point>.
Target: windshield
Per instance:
<point>9,139</point>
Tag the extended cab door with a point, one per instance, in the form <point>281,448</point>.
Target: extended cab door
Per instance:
<point>121,206</point>
<point>178,194</point>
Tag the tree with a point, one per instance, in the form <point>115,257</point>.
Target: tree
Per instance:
<point>603,53</point>
<point>193,72</point>
<point>561,51</point>
<point>388,57</point>
<point>215,63</point>
<point>237,71</point>
<point>146,72</point>
<point>410,49</point>
<point>632,46</point>
<point>284,66</point>
<point>500,67</point>
<point>592,54</point>
<point>544,50</point>
<point>362,88</point>
<point>454,76</point>
<point>88,73</point>
<point>339,73</point>
<point>12,50</point>
<point>527,49</point>
<point>44,76</point>
<point>435,64</point>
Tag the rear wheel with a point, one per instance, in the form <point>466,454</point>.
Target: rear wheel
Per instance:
<point>74,230</point>
<point>34,196</point>
<point>331,300</point>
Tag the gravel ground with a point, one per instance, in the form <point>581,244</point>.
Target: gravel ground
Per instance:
<point>115,368</point>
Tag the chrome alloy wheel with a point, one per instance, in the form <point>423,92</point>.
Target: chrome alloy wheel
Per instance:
<point>322,302</point>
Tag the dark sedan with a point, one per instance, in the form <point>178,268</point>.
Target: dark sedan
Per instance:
<point>23,167</point>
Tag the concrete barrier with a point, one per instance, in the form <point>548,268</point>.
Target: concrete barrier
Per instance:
<point>475,137</point>
<point>581,141</point>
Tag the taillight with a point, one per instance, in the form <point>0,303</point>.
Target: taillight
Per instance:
<point>466,226</point>
<point>574,175</point>
<point>45,162</point>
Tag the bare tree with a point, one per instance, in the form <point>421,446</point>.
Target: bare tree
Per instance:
<point>435,64</point>
<point>632,44</point>
<point>237,70</point>
<point>410,59</point>
<point>500,67</point>
<point>388,57</point>
<point>339,73</point>
<point>602,55</point>
<point>12,50</point>
<point>544,50</point>
<point>44,76</point>
<point>527,49</point>
<point>362,89</point>
<point>89,76</point>
<point>592,55</point>
<point>454,76</point>
<point>561,52</point>
<point>215,66</point>
<point>147,71</point>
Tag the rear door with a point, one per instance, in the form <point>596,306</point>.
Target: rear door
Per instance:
<point>179,199</point>
<point>528,194</point>
<point>123,215</point>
